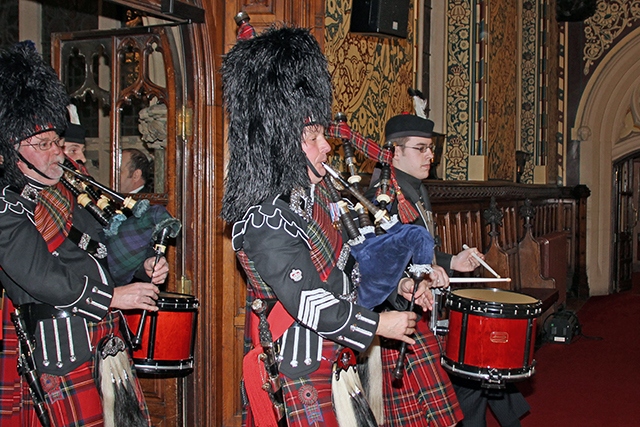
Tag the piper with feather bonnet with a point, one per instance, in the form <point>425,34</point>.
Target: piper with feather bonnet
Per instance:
<point>53,270</point>
<point>277,93</point>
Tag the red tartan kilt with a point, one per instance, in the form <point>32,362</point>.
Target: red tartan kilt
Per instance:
<point>424,395</point>
<point>72,399</point>
<point>308,399</point>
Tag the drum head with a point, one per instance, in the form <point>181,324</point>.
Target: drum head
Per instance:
<point>494,295</point>
<point>175,296</point>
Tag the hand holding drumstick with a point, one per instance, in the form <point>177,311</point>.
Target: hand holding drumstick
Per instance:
<point>475,255</point>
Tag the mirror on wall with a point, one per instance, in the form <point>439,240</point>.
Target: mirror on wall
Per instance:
<point>125,122</point>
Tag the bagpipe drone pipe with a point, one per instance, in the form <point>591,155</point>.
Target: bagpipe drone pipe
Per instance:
<point>134,230</point>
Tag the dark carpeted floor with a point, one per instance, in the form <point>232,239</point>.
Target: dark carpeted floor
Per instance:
<point>594,380</point>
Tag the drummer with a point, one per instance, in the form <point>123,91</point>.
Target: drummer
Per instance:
<point>53,267</point>
<point>412,139</point>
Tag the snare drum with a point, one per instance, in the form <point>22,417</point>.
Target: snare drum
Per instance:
<point>491,335</point>
<point>168,335</point>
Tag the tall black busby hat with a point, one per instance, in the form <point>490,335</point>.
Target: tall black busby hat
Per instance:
<point>32,101</point>
<point>274,84</point>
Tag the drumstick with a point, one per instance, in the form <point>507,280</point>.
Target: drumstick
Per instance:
<point>478,279</point>
<point>481,261</point>
<point>159,249</point>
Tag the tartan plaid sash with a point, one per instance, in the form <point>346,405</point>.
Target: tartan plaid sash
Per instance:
<point>366,146</point>
<point>324,238</point>
<point>53,214</point>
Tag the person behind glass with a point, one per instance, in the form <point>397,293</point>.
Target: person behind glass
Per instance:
<point>284,234</point>
<point>411,137</point>
<point>136,172</point>
<point>53,271</point>
<point>75,143</point>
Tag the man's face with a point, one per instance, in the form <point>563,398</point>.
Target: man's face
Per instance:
<point>75,151</point>
<point>411,159</point>
<point>44,151</point>
<point>316,147</point>
<point>127,182</point>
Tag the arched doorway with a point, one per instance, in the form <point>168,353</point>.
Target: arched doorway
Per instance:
<point>604,108</point>
<point>626,180</point>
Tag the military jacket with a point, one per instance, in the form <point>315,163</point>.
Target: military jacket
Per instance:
<point>68,279</point>
<point>277,242</point>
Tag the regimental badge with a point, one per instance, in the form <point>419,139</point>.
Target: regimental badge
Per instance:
<point>295,275</point>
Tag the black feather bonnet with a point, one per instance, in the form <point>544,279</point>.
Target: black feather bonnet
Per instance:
<point>274,84</point>
<point>32,100</point>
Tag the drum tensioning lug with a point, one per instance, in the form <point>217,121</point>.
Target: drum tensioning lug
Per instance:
<point>493,380</point>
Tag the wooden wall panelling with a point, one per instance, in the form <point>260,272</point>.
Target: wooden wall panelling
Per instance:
<point>557,210</point>
<point>443,231</point>
<point>263,13</point>
<point>458,227</point>
<point>459,232</point>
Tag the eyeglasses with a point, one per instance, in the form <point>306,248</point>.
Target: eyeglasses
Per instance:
<point>422,148</point>
<point>46,145</point>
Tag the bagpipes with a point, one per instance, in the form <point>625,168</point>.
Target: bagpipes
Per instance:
<point>134,232</point>
<point>394,245</point>
<point>134,229</point>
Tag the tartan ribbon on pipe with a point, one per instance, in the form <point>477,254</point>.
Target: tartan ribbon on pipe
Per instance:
<point>406,210</point>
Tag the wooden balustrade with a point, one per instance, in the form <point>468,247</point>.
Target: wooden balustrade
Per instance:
<point>462,216</point>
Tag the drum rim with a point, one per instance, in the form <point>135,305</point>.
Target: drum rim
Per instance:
<point>151,366</point>
<point>166,295</point>
<point>175,301</point>
<point>485,374</point>
<point>493,309</point>
<point>176,306</point>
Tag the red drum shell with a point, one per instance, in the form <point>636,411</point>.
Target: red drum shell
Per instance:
<point>168,336</point>
<point>491,335</point>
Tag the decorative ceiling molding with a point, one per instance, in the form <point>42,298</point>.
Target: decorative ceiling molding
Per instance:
<point>611,19</point>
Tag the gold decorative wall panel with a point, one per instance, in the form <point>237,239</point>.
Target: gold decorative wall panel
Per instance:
<point>370,74</point>
<point>612,19</point>
<point>502,89</point>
